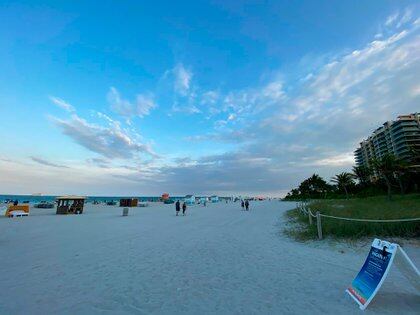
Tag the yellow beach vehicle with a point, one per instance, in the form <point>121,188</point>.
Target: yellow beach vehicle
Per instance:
<point>17,211</point>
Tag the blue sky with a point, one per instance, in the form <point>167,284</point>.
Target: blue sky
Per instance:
<point>228,97</point>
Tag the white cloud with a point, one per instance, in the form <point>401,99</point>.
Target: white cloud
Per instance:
<point>391,19</point>
<point>182,79</point>
<point>106,117</point>
<point>62,104</point>
<point>188,108</point>
<point>274,91</point>
<point>209,97</point>
<point>342,159</point>
<point>242,104</point>
<point>360,82</point>
<point>111,142</point>
<point>405,18</point>
<point>142,106</point>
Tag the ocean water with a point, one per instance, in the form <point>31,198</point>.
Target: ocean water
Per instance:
<point>32,199</point>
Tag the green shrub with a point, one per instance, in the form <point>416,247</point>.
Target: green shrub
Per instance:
<point>377,208</point>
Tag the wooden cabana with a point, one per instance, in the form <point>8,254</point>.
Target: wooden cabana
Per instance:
<point>129,202</point>
<point>70,204</point>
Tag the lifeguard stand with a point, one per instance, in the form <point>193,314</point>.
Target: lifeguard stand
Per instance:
<point>70,204</point>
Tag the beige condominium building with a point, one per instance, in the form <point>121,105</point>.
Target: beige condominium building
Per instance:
<point>400,138</point>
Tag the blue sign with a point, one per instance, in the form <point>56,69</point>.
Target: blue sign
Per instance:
<point>374,271</point>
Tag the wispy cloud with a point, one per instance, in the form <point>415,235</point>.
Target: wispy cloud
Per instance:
<point>317,125</point>
<point>399,18</point>
<point>111,142</point>
<point>182,79</point>
<point>46,162</point>
<point>141,107</point>
<point>185,108</point>
<point>99,162</point>
<point>391,19</point>
<point>62,104</point>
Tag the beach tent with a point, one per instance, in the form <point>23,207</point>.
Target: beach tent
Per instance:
<point>214,199</point>
<point>70,204</point>
<point>129,202</point>
<point>18,210</point>
<point>189,199</point>
<point>165,196</point>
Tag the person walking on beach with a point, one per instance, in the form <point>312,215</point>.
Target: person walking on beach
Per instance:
<point>247,205</point>
<point>184,208</point>
<point>242,204</point>
<point>177,207</point>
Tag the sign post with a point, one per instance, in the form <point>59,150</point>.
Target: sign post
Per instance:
<point>375,269</point>
<point>373,273</point>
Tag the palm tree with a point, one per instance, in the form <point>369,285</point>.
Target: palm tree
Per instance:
<point>343,180</point>
<point>389,167</point>
<point>362,173</point>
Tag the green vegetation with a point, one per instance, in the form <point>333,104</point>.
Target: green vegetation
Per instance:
<point>379,208</point>
<point>344,180</point>
<point>387,175</point>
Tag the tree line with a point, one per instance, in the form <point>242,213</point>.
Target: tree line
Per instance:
<point>386,175</point>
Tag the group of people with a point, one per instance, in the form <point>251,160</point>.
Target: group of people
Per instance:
<point>178,207</point>
<point>245,205</point>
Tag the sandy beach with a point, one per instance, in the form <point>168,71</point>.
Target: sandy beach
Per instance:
<point>215,260</point>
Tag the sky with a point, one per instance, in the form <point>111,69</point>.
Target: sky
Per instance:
<point>203,97</point>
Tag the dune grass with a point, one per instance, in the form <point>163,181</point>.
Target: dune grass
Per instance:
<point>401,207</point>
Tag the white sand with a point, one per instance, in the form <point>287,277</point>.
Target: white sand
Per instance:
<point>215,260</point>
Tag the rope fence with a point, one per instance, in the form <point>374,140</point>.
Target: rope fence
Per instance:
<point>303,207</point>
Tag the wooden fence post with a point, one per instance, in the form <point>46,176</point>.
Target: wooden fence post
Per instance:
<point>318,224</point>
